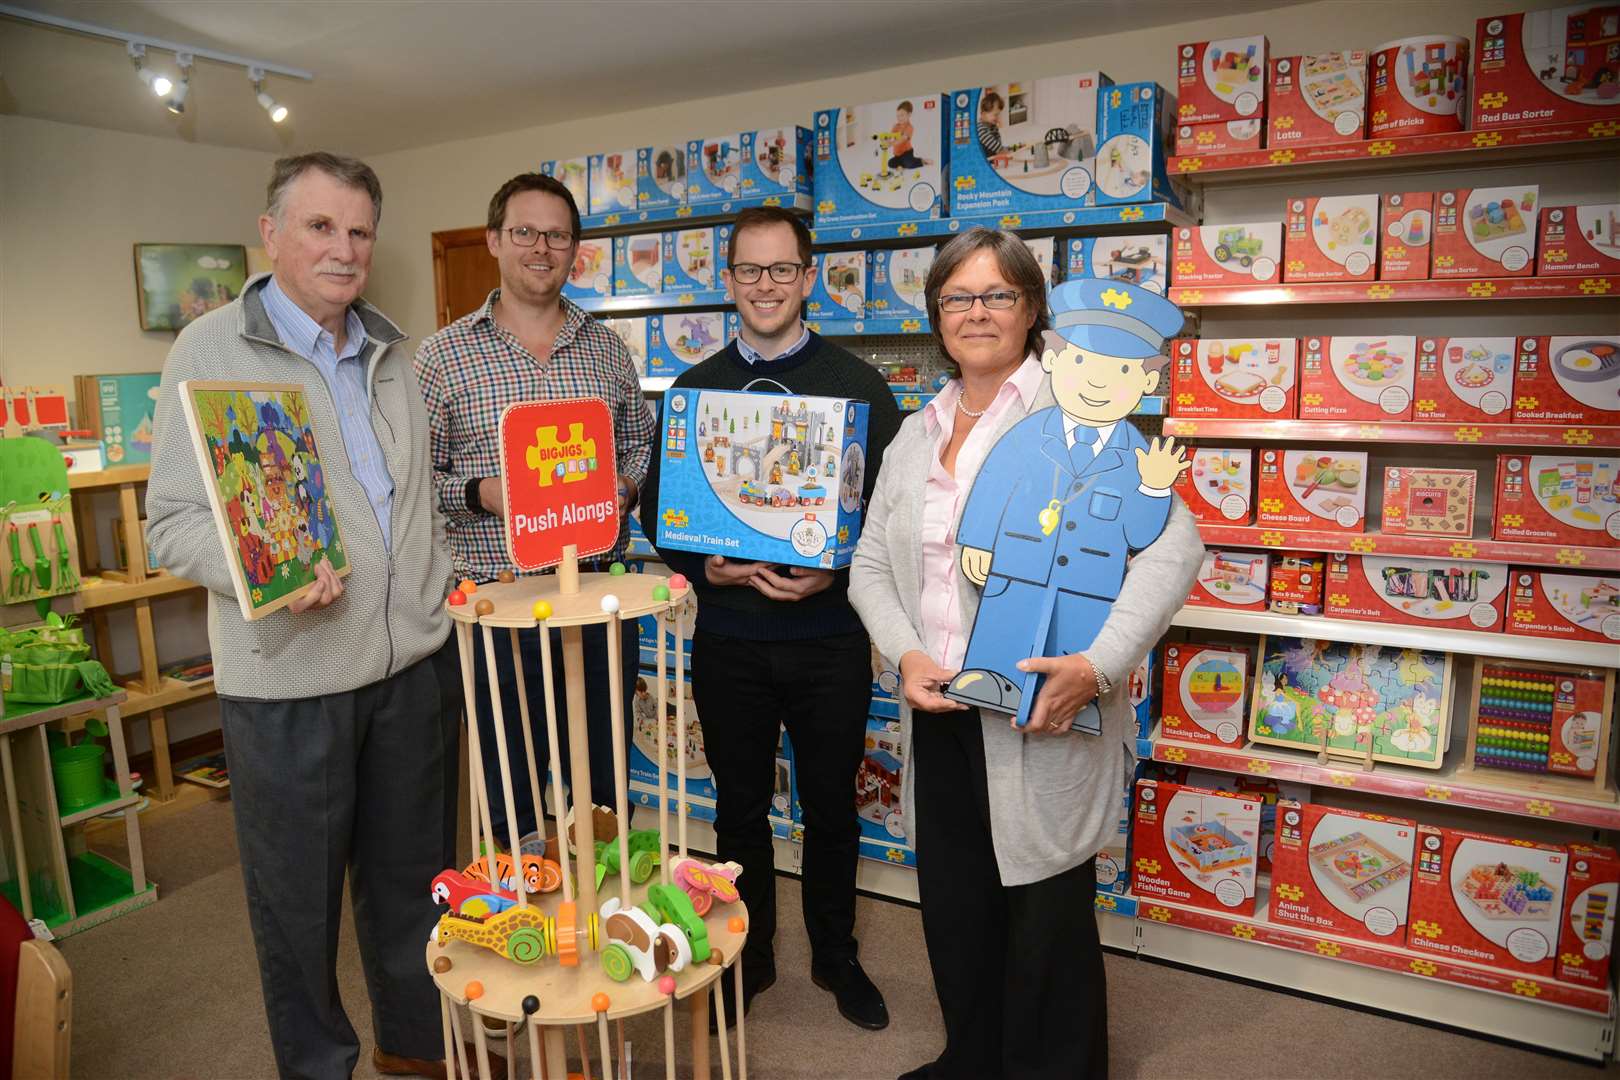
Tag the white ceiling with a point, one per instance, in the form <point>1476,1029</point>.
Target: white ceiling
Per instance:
<point>392,74</point>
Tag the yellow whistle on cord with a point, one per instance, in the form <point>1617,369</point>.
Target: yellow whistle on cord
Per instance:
<point>1049,517</point>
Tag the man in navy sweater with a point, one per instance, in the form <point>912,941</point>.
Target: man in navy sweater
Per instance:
<point>783,644</point>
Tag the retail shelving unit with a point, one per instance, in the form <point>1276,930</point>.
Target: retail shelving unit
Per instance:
<point>1399,292</point>
<point>1315,431</point>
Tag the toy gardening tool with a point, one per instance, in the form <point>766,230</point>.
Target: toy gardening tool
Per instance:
<point>66,576</point>
<point>42,565</point>
<point>19,586</point>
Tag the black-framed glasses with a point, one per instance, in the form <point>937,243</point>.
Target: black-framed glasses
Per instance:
<point>1000,300</point>
<point>556,239</point>
<point>783,273</point>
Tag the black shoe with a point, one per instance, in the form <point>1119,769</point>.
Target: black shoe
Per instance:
<point>921,1072</point>
<point>753,985</point>
<point>858,1000</point>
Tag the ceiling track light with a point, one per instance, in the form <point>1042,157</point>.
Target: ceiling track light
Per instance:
<point>160,85</point>
<point>176,102</point>
<point>277,112</point>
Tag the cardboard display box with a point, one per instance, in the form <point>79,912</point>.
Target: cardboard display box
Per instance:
<point>1417,592</point>
<point>1267,792</point>
<point>894,282</point>
<point>1296,583</point>
<point>1231,579</point>
<point>1312,489</point>
<point>633,332</point>
<point>1139,690</point>
<point>119,410</point>
<point>1558,499</point>
<point>840,289</point>
<point>877,795</point>
<point>1546,67</point>
<point>1139,260</point>
<point>1237,378</point>
<point>592,272</point>
<point>1045,250</point>
<point>643,751</point>
<point>1579,240</point>
<point>1219,488</point>
<point>679,340</point>
<point>1222,137</point>
<point>612,183</point>
<point>1586,941</point>
<point>1419,86</point>
<point>1578,607</point>
<point>1487,900</point>
<point>713,171</point>
<point>574,173</point>
<point>1136,132</point>
<point>1357,378</point>
<point>1485,232</point>
<point>1342,872</point>
<point>881,162</point>
<point>689,262</point>
<point>1194,846</point>
<point>638,264</point>
<point>1205,694</point>
<point>1240,254</point>
<point>1026,145</point>
<point>1428,502</point>
<point>1464,379</point>
<point>1317,99</point>
<point>776,164</point>
<point>1113,863</point>
<point>1567,380</point>
<point>1542,727</point>
<point>661,177</point>
<point>1407,234</point>
<point>1331,238</point>
<point>1221,80</point>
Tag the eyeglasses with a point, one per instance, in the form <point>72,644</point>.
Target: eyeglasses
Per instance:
<point>556,239</point>
<point>783,273</point>
<point>1000,300</point>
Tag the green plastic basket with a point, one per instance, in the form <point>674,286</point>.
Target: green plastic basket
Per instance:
<point>78,774</point>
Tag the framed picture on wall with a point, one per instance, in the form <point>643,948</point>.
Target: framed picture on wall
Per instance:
<point>175,283</point>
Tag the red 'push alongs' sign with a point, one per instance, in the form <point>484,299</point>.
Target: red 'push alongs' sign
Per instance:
<point>559,476</point>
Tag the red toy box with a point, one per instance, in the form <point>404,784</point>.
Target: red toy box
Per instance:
<point>1588,930</point>
<point>1219,488</point>
<point>1342,872</point>
<point>1416,592</point>
<point>1420,501</point>
<point>1317,99</point>
<point>1236,378</point>
<point>1486,900</point>
<point>1312,489</point>
<point>1567,380</point>
<point>1546,67</point>
<point>1579,240</point>
<point>1558,499</point>
<point>1579,607</point>
<point>1221,80</point>
<point>1419,87</point>
<point>1296,583</point>
<point>1194,846</point>
<point>1464,379</point>
<point>1331,238</point>
<point>1221,137</point>
<point>1408,228</point>
<point>1206,697</point>
<point>1356,378</point>
<point>1485,232</point>
<point>1231,579</point>
<point>1240,254</point>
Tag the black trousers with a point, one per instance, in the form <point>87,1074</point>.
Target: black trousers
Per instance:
<point>364,781</point>
<point>821,691</point>
<point>1018,970</point>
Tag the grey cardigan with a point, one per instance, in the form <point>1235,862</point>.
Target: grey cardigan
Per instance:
<point>1054,802</point>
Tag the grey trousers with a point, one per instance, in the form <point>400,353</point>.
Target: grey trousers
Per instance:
<point>363,782</point>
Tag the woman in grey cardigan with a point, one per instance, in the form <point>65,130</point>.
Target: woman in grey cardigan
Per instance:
<point>1006,821</point>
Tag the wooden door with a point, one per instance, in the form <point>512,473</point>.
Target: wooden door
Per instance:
<point>464,272</point>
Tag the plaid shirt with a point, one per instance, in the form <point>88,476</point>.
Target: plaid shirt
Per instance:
<point>473,369</point>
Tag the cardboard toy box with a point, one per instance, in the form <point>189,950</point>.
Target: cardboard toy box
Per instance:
<point>1264,790</point>
<point>1139,260</point>
<point>1312,489</point>
<point>1567,380</point>
<point>713,171</point>
<point>881,162</point>
<point>1547,67</point>
<point>1416,592</point>
<point>592,272</point>
<point>612,183</point>
<point>1356,378</point>
<point>1317,99</point>
<point>1578,607</point>
<point>1420,501</point>
<point>119,410</point>
<point>1231,579</point>
<point>1486,900</point>
<point>1234,378</point>
<point>1296,583</point>
<point>575,176</point>
<point>632,331</point>
<point>1587,935</point>
<point>1045,250</point>
<point>762,476</point>
<point>690,257</point>
<point>682,338</point>
<point>1139,690</point>
<point>776,164</point>
<point>894,282</point>
<point>1485,232</point>
<point>1219,488</point>
<point>642,752</point>
<point>1194,846</point>
<point>1136,132</point>
<point>1579,240</point>
<point>1342,872</point>
<point>1222,137</point>
<point>1025,146</point>
<point>1546,719</point>
<point>1558,499</point>
<point>1464,379</point>
<point>1241,254</point>
<point>1406,240</point>
<point>840,289</point>
<point>1113,863</point>
<point>1331,238</point>
<point>1221,80</point>
<point>1205,694</point>
<point>1419,86</point>
<point>638,264</point>
<point>661,177</point>
<point>877,795</point>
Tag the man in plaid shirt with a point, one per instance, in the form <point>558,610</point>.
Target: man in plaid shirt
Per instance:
<point>528,343</point>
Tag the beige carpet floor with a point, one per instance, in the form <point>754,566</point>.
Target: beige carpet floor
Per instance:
<point>173,991</point>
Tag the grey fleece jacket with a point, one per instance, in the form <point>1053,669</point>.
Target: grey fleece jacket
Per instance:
<point>391,613</point>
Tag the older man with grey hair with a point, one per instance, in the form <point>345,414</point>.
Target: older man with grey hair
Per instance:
<point>340,711</point>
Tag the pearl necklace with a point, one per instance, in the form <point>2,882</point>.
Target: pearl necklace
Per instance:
<point>965,411</point>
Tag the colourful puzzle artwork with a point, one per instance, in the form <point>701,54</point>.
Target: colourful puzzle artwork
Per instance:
<point>256,447</point>
<point>1359,865</point>
<point>1501,891</point>
<point>1355,701</point>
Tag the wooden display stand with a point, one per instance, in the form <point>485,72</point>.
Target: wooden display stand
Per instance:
<point>1597,786</point>
<point>552,994</point>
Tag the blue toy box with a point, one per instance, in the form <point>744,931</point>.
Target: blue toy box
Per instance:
<point>1025,146</point>
<point>643,749</point>
<point>722,249</point>
<point>776,162</point>
<point>1136,124</point>
<point>632,330</point>
<point>638,264</point>
<point>661,177</point>
<point>881,162</point>
<point>713,170</point>
<point>1139,260</point>
<point>592,273</point>
<point>840,289</point>
<point>690,260</point>
<point>1045,250</point>
<point>1140,692</point>
<point>894,282</point>
<point>612,183</point>
<point>680,339</point>
<point>877,795</point>
<point>762,476</point>
<point>575,176</point>
<point>1113,863</point>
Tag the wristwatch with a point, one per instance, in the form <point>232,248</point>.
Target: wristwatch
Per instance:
<point>474,504</point>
